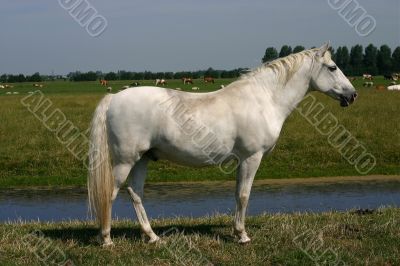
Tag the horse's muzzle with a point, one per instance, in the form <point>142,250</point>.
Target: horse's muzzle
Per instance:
<point>346,101</point>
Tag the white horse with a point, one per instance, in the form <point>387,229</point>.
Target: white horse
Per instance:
<point>241,121</point>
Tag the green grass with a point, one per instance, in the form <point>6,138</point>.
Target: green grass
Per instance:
<point>281,239</point>
<point>30,155</point>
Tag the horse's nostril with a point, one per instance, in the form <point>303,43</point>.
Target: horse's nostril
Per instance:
<point>355,95</point>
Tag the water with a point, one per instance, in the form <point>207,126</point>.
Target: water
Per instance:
<point>195,200</point>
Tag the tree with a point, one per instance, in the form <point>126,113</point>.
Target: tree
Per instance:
<point>270,54</point>
<point>333,53</point>
<point>211,73</point>
<point>370,59</point>
<point>78,76</point>
<point>3,78</point>
<point>125,75</point>
<point>298,49</point>
<point>285,51</point>
<point>384,61</point>
<point>138,76</point>
<point>343,58</point>
<point>356,60</point>
<point>21,78</point>
<point>149,75</point>
<point>159,75</point>
<point>168,75</point>
<point>35,77</point>
<point>396,59</point>
<point>111,76</point>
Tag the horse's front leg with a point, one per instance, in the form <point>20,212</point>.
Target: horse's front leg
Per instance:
<point>245,176</point>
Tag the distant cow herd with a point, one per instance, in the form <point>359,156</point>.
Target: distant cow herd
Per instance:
<point>394,77</point>
<point>368,82</point>
<point>161,82</point>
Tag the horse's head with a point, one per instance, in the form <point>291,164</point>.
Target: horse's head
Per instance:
<point>329,79</point>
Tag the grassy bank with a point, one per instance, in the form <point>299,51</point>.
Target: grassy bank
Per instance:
<point>31,155</point>
<point>283,239</point>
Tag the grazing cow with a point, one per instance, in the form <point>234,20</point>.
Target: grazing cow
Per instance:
<point>135,84</point>
<point>209,80</point>
<point>109,89</point>
<point>394,88</point>
<point>368,77</point>
<point>103,82</point>
<point>390,77</point>
<point>161,82</point>
<point>380,87</point>
<point>368,84</point>
<point>187,81</point>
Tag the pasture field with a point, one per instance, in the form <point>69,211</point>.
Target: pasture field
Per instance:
<point>31,155</point>
<point>333,238</point>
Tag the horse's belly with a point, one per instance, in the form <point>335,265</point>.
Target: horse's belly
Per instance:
<point>182,159</point>
<point>193,155</point>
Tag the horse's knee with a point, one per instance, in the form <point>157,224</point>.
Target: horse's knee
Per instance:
<point>243,198</point>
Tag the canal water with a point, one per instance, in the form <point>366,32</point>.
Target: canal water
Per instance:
<point>195,200</point>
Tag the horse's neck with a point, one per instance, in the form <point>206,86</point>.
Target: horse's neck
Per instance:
<point>278,99</point>
<point>286,98</point>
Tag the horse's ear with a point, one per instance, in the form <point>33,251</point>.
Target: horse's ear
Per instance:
<point>323,49</point>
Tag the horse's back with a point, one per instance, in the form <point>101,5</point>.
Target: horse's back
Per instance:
<point>160,119</point>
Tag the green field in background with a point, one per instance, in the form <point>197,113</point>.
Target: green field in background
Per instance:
<point>31,155</point>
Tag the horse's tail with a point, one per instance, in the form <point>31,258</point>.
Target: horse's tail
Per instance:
<point>100,179</point>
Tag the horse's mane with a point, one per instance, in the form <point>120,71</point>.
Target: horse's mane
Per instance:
<point>284,68</point>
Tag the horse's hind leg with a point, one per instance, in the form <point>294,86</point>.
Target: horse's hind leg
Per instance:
<point>135,189</point>
<point>120,173</point>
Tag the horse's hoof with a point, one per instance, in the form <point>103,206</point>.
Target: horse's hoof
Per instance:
<point>107,244</point>
<point>244,240</point>
<point>154,240</point>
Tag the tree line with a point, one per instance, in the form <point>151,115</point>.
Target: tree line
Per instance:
<point>148,75</point>
<point>123,75</point>
<point>354,61</point>
<point>21,78</point>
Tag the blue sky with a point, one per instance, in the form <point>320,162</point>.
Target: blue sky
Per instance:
<point>174,35</point>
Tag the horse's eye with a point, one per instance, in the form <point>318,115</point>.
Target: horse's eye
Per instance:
<point>332,68</point>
